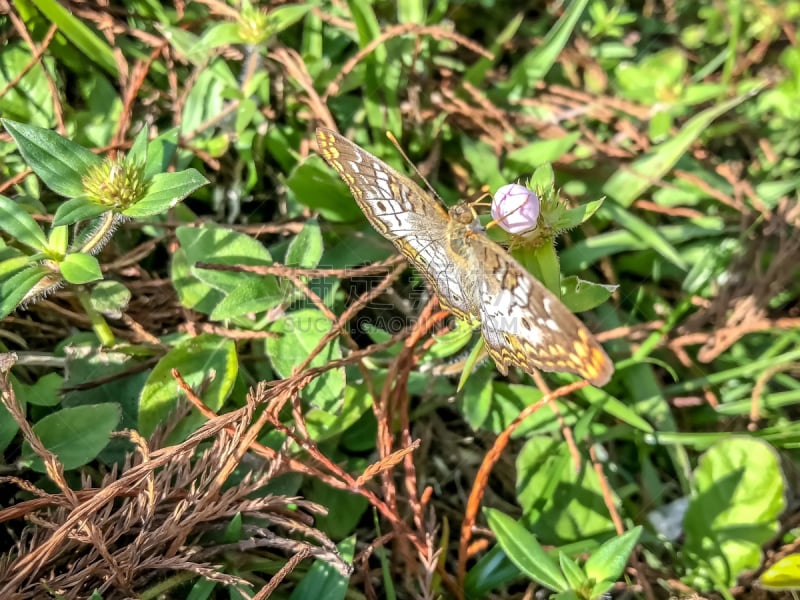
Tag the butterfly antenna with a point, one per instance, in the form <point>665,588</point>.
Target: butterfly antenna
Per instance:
<point>495,222</point>
<point>396,144</point>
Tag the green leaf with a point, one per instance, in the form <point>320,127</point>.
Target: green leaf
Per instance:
<point>281,18</point>
<point>137,155</point>
<point>221,293</point>
<point>57,241</point>
<point>587,252</point>
<point>477,394</point>
<point>607,563</point>
<point>325,581</point>
<point>562,504</point>
<point>525,551</point>
<point>27,99</point>
<point>93,48</point>
<point>306,247</point>
<point>212,244</point>
<point>649,235</point>
<point>110,298</point>
<point>197,51</point>
<point>16,287</point>
<point>536,64</point>
<point>449,343</point>
<point>77,209</point>
<point>59,162</point>
<point>80,268</point>
<point>319,188</point>
<point>572,217</point>
<point>298,333</point>
<point>543,180</point>
<point>738,497</point>
<point>252,295</point>
<point>8,426</point>
<point>323,424</point>
<point>76,435</point>
<point>208,363</point>
<point>45,391</point>
<point>20,225</point>
<point>580,295</point>
<point>542,263</point>
<point>192,292</point>
<point>628,184</point>
<point>576,578</point>
<point>541,152</point>
<point>14,263</point>
<point>160,152</point>
<point>164,192</point>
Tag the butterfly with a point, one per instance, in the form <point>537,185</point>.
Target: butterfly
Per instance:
<point>522,323</point>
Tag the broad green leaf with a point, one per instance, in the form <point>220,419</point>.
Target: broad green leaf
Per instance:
<point>298,333</point>
<point>110,298</point>
<point>345,509</point>
<point>252,295</point>
<point>306,247</point>
<point>77,209</point>
<point>561,504</point>
<point>17,223</point>
<point>445,344</point>
<point>16,287</point>
<point>579,295</point>
<point>45,391</point>
<point>217,245</point>
<point>192,292</point>
<point>137,155</point>
<point>607,563</point>
<point>738,497</point>
<point>317,186</point>
<point>524,550</point>
<point>164,192</point>
<point>476,399</point>
<point>8,426</point>
<point>59,162</point>
<point>207,362</point>
<point>160,152</point>
<point>76,435</point>
<point>323,424</point>
<point>80,268</point>
<point>281,18</point>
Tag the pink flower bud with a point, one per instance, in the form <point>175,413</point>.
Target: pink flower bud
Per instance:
<point>515,208</point>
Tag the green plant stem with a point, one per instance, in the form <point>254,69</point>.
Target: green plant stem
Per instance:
<point>99,323</point>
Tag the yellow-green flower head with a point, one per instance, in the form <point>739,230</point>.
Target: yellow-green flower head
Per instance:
<point>115,184</point>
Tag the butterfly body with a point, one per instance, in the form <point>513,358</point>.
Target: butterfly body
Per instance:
<point>522,323</point>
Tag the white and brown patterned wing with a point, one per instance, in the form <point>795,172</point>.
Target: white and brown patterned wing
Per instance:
<point>523,324</point>
<point>400,211</point>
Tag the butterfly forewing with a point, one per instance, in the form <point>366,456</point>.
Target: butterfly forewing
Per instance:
<point>401,211</point>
